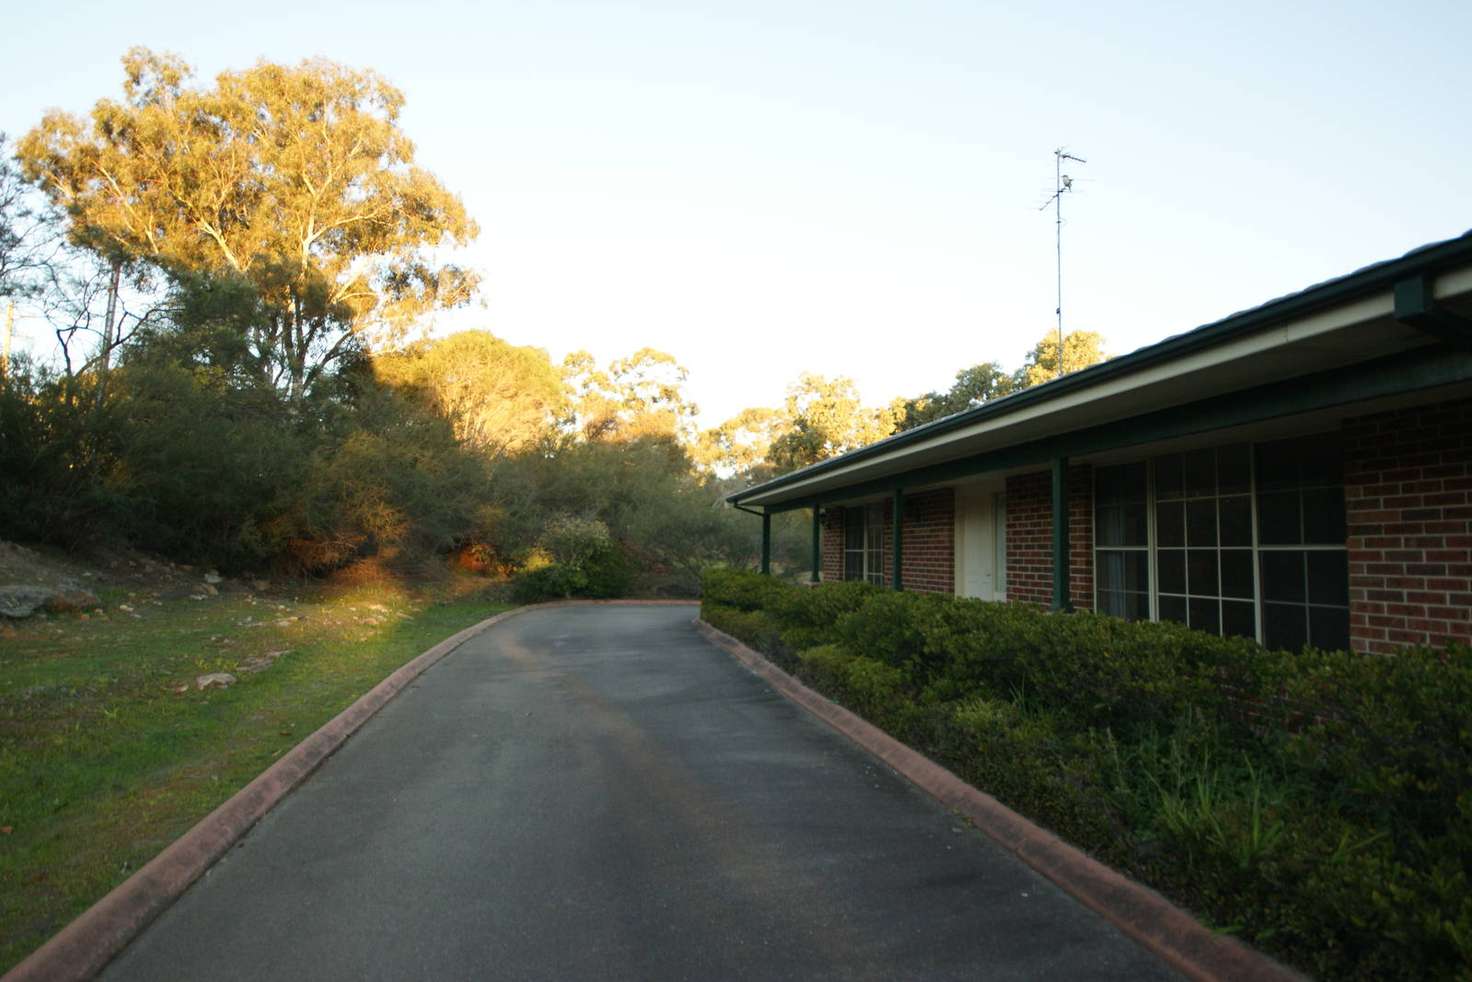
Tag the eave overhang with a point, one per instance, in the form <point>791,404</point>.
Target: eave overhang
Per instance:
<point>1384,310</point>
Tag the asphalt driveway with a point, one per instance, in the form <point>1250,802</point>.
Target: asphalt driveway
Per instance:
<point>598,793</point>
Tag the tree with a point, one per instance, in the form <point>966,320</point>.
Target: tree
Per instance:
<point>501,398</point>
<point>642,395</point>
<point>295,179</point>
<point>973,386</point>
<point>741,444</point>
<point>1080,350</point>
<point>826,418</point>
<point>30,232</point>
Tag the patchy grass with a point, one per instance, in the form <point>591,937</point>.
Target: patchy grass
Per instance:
<point>109,752</point>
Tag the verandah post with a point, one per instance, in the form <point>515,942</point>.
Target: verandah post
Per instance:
<point>766,542</point>
<point>1061,599</point>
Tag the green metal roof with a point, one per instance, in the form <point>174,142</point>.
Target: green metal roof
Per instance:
<point>1369,279</point>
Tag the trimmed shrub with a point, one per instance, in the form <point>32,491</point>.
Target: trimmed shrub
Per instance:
<point>870,688</point>
<point>810,615</point>
<point>744,589</point>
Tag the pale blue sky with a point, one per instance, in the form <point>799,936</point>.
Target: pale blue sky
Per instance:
<point>766,188</point>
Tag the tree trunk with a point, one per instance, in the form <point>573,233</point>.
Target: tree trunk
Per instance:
<point>9,327</point>
<point>109,330</point>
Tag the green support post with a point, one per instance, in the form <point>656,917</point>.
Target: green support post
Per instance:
<point>766,543</point>
<point>1061,599</point>
<point>896,580</point>
<point>817,544</point>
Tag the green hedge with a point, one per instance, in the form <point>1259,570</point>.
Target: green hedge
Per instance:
<point>1318,804</point>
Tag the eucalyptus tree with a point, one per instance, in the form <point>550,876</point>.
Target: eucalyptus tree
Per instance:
<point>296,180</point>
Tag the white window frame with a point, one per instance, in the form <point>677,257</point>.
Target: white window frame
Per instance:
<point>1152,540</point>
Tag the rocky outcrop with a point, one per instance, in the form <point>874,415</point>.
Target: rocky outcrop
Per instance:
<point>19,600</point>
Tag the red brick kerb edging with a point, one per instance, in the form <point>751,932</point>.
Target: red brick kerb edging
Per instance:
<point>85,946</point>
<point>1153,922</point>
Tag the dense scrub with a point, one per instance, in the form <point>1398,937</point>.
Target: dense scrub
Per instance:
<point>1317,804</point>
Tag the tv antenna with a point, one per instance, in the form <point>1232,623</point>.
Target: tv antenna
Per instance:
<point>1062,183</point>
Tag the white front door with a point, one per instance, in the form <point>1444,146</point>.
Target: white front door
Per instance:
<point>981,543</point>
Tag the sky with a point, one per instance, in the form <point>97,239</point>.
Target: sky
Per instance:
<point>853,188</point>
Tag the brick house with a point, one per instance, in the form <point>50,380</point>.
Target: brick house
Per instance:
<point>1300,472</point>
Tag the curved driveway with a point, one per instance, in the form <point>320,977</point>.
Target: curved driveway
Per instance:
<point>598,793</point>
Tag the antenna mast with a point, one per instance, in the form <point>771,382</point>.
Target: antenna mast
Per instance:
<point>1061,183</point>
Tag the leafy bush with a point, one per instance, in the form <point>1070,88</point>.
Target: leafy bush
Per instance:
<point>868,687</point>
<point>577,558</point>
<point>810,616</point>
<point>1318,804</point>
<point>744,590</point>
<point>890,627</point>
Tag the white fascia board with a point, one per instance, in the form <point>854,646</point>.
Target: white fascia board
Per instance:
<point>1171,378</point>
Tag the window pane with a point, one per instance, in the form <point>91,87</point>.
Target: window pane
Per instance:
<point>1121,525</point>
<point>1200,467</point>
<point>1171,565</point>
<point>1328,628</point>
<point>1237,573</point>
<point>1123,571</point>
<point>1173,609</point>
<point>1201,523</point>
<point>1236,519</point>
<point>853,528</point>
<point>1277,519</point>
<point>1233,469</point>
<point>1201,572</point>
<point>1125,482</point>
<point>1238,619</point>
<point>1168,477</point>
<point>1323,516</point>
<point>1282,576</point>
<point>1170,524</point>
<point>1130,606</point>
<point>1205,615</point>
<point>1321,459</point>
<point>1328,578</point>
<point>1283,627</point>
<point>1277,465</point>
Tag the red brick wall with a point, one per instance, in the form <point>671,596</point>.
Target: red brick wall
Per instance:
<point>832,550</point>
<point>1080,536</point>
<point>1030,537</point>
<point>928,540</point>
<point>1408,495</point>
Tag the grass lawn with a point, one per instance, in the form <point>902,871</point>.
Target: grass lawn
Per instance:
<point>108,750</point>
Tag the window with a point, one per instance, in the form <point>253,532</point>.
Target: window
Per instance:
<point>1237,540</point>
<point>1301,533</point>
<point>863,543</point>
<point>1122,541</point>
<point>1203,537</point>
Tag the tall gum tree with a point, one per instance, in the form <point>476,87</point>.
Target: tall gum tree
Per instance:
<point>296,179</point>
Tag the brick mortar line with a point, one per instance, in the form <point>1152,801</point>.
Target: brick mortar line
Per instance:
<point>1143,915</point>
<point>85,946</point>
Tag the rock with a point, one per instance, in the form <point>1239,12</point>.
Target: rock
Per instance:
<point>260,586</point>
<point>221,679</point>
<point>260,663</point>
<point>19,600</point>
<point>213,578</point>
<point>72,599</point>
<point>210,590</point>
